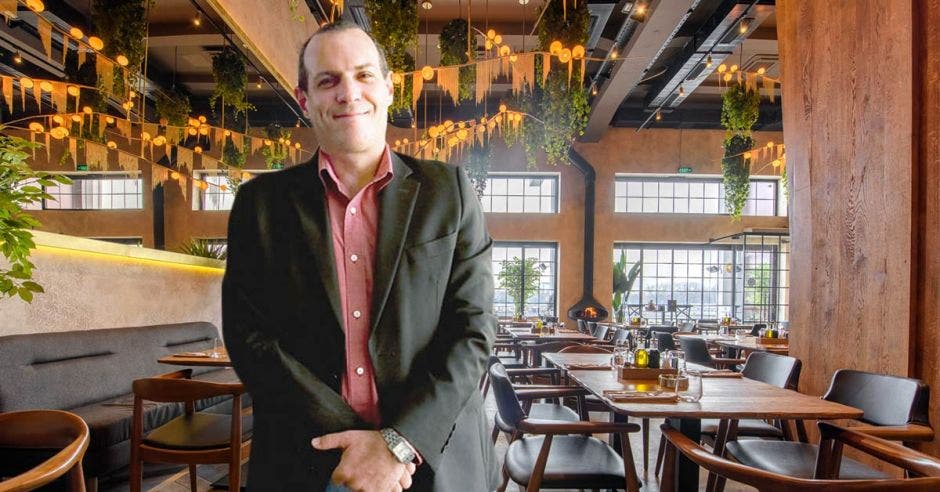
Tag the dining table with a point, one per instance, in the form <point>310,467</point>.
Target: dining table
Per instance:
<point>728,399</point>
<point>753,344</point>
<point>209,357</point>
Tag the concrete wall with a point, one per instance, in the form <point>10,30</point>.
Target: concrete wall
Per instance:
<point>93,284</point>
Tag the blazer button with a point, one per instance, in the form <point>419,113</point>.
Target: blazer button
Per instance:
<point>360,371</point>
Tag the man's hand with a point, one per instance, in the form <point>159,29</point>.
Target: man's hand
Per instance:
<point>367,464</point>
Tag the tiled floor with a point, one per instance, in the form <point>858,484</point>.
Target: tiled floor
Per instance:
<point>179,482</point>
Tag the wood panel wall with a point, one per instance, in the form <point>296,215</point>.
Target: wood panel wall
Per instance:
<point>861,128</point>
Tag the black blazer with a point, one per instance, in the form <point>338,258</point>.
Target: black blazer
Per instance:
<point>432,324</point>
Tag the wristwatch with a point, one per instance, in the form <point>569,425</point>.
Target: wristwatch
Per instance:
<point>397,445</point>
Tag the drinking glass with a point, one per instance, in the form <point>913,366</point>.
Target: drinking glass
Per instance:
<point>694,392</point>
<point>216,348</point>
<point>674,359</point>
<point>619,357</point>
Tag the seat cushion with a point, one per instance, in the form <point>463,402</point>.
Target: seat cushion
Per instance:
<point>109,421</point>
<point>746,428</point>
<point>197,431</point>
<point>574,462</point>
<point>793,459</point>
<point>510,362</point>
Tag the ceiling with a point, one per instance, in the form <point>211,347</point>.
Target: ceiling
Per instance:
<point>654,56</point>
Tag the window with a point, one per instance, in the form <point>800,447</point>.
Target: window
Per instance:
<point>102,191</point>
<point>525,275</point>
<point>747,278</point>
<point>217,196</point>
<point>521,193</point>
<point>671,195</point>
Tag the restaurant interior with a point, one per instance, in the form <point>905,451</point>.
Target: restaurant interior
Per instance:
<point>715,231</point>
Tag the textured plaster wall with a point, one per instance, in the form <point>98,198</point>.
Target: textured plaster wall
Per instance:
<point>86,291</point>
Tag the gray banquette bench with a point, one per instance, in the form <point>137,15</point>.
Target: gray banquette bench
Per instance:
<point>90,373</point>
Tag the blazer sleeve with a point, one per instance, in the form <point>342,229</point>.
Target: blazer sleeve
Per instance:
<point>463,340</point>
<point>272,375</point>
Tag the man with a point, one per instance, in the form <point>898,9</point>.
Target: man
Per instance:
<point>357,299</point>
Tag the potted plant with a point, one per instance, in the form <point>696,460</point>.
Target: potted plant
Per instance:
<point>623,285</point>
<point>203,248</point>
<point>19,186</point>
<point>518,277</point>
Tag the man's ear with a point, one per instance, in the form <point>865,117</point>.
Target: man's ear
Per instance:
<point>301,97</point>
<point>390,86</point>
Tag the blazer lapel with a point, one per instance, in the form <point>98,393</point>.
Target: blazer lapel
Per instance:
<point>309,199</point>
<point>396,204</point>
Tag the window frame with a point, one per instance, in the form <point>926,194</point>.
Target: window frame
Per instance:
<point>778,201</point>
<point>78,176</point>
<point>486,201</point>
<point>554,282</point>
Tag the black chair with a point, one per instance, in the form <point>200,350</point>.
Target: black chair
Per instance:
<point>563,455</point>
<point>757,329</point>
<point>696,352</point>
<point>621,336</point>
<point>895,409</point>
<point>582,326</point>
<point>599,331</point>
<point>665,341</point>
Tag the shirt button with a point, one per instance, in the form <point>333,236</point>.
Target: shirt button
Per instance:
<point>360,371</point>
<point>356,314</point>
<point>354,258</point>
<point>352,210</point>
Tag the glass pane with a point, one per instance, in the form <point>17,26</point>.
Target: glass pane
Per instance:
<point>649,205</point>
<point>650,188</point>
<point>634,188</point>
<point>515,202</point>
<point>635,205</point>
<point>515,186</point>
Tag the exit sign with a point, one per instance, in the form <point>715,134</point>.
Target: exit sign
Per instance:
<point>82,167</point>
<point>685,170</point>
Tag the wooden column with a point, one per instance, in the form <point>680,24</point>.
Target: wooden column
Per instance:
<point>859,80</point>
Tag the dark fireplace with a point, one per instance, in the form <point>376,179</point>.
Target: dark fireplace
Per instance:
<point>587,308</point>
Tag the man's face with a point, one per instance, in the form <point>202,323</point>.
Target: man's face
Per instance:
<point>346,97</point>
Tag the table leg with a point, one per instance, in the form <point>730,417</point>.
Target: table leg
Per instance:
<point>731,434</point>
<point>686,478</point>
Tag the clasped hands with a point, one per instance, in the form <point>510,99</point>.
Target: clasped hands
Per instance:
<point>367,465</point>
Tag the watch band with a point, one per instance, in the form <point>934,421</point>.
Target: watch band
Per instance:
<point>398,446</point>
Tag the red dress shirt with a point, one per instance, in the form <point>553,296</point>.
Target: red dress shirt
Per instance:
<point>354,224</point>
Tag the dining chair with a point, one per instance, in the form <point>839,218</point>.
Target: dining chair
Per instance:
<point>582,326</point>
<point>620,336</point>
<point>193,438</point>
<point>29,437</point>
<point>547,454</point>
<point>696,352</point>
<point>665,341</point>
<point>895,408</point>
<point>825,466</point>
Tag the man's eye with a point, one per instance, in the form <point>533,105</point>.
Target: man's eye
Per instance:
<point>366,75</point>
<point>325,82</point>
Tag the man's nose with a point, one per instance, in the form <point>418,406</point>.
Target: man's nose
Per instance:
<point>348,91</point>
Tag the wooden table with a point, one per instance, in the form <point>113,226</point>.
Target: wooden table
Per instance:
<point>728,399</point>
<point>190,359</point>
<point>751,344</point>
<point>558,336</point>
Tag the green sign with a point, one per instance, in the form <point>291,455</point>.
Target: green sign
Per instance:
<point>82,167</point>
<point>685,170</point>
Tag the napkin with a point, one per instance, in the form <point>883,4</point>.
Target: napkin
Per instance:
<point>587,367</point>
<point>721,374</point>
<point>621,396</point>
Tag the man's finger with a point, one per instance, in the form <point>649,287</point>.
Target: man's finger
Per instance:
<point>330,441</point>
<point>410,467</point>
<point>405,480</point>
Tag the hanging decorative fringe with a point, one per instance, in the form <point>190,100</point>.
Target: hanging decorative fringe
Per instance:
<point>96,156</point>
<point>102,124</point>
<point>45,34</point>
<point>239,140</point>
<point>417,83</point>
<point>256,144</point>
<point>209,162</point>
<point>105,70</point>
<point>546,66</point>
<point>8,9</point>
<point>523,73</point>
<point>73,151</point>
<point>128,162</point>
<point>184,159</point>
<point>448,79</point>
<point>37,95</point>
<point>8,92</point>
<point>487,71</point>
<point>770,89</point>
<point>65,47</point>
<point>123,127</point>
<point>81,55</point>
<point>60,97</point>
<point>48,149</point>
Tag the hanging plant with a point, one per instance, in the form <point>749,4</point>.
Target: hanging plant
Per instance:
<point>395,27</point>
<point>740,109</point>
<point>570,28</point>
<point>233,160</point>
<point>477,167</point>
<point>276,148</point>
<point>122,25</point>
<point>19,186</point>
<point>453,43</point>
<point>228,70</point>
<point>173,106</point>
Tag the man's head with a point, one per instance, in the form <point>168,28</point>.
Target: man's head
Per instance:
<point>345,88</point>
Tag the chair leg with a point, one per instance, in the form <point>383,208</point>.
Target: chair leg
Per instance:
<point>646,445</point>
<point>668,481</point>
<point>137,472</point>
<point>235,472</point>
<point>629,468</point>
<point>659,455</point>
<point>193,478</point>
<point>505,482</point>
<point>76,478</point>
<point>535,480</point>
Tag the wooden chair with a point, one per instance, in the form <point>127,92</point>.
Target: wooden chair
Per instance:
<point>35,430</point>
<point>925,468</point>
<point>561,454</point>
<point>194,438</point>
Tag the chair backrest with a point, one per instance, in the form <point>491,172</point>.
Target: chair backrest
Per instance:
<point>177,387</point>
<point>665,340</point>
<point>622,335</point>
<point>507,404</point>
<point>886,400</point>
<point>685,325</point>
<point>46,429</point>
<point>585,349</point>
<point>696,351</point>
<point>926,468</point>
<point>582,326</point>
<point>777,370</point>
<point>600,331</point>
<point>757,329</point>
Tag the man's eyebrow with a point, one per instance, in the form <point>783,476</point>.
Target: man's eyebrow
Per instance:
<point>336,72</point>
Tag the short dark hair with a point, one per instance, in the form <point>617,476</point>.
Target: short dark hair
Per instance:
<point>340,25</point>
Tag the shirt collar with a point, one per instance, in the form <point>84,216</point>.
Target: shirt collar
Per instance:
<point>383,173</point>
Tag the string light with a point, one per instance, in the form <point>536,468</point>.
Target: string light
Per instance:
<point>197,21</point>
<point>426,4</point>
<point>17,58</point>
<point>76,33</point>
<point>659,115</point>
<point>708,61</point>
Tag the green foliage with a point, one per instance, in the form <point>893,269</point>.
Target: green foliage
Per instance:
<point>519,277</point>
<point>174,106</point>
<point>785,182</point>
<point>737,174</point>
<point>19,186</point>
<point>570,29</point>
<point>477,167</point>
<point>453,44</point>
<point>294,14</point>
<point>276,153</point>
<point>228,70</point>
<point>203,248</point>
<point>232,158</point>
<point>395,27</point>
<point>623,285</point>
<point>739,110</point>
<point>122,25</point>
